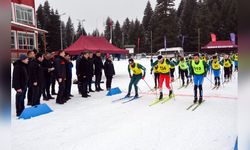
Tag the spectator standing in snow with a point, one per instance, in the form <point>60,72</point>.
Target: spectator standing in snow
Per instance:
<point>98,71</point>
<point>20,82</point>
<point>109,71</point>
<point>69,66</point>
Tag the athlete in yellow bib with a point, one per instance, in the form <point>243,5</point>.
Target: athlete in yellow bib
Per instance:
<point>136,69</point>
<point>215,66</point>
<point>227,64</point>
<point>156,73</point>
<point>199,71</point>
<point>183,66</point>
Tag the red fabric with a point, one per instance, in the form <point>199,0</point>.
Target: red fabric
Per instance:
<point>213,37</point>
<point>25,2</point>
<point>220,45</point>
<point>93,44</point>
<point>167,81</point>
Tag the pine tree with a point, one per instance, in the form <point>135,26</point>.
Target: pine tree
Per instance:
<point>69,32</point>
<point>117,35</point>
<point>109,23</point>
<point>164,23</point>
<point>96,33</point>
<point>41,25</point>
<point>148,12</point>
<point>125,31</point>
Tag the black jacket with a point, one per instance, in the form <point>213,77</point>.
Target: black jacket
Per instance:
<point>60,67</point>
<point>20,75</point>
<point>47,64</point>
<point>83,69</point>
<point>36,72</point>
<point>69,66</point>
<point>91,68</point>
<point>98,65</point>
<point>109,69</point>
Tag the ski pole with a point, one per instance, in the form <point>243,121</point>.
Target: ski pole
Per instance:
<point>210,81</point>
<point>171,84</point>
<point>148,85</point>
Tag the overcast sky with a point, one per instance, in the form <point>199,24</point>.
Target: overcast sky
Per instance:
<point>95,12</point>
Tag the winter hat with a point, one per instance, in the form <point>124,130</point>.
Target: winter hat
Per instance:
<point>131,60</point>
<point>159,57</point>
<point>23,57</point>
<point>107,55</point>
<point>196,54</point>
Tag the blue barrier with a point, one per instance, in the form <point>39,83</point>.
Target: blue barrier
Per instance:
<point>35,111</point>
<point>236,144</point>
<point>114,91</point>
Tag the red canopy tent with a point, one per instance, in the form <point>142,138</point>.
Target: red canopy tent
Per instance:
<point>93,44</point>
<point>220,47</point>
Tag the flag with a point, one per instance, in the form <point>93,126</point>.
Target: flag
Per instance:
<point>165,42</point>
<point>213,37</point>
<point>233,37</point>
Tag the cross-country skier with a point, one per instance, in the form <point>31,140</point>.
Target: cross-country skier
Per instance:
<point>156,74</point>
<point>215,65</point>
<point>190,59</point>
<point>236,59</point>
<point>226,63</point>
<point>136,68</point>
<point>182,63</point>
<point>199,71</point>
<point>172,69</point>
<point>163,64</point>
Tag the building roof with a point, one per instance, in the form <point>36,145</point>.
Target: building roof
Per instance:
<point>93,44</point>
<point>27,27</point>
<point>220,45</point>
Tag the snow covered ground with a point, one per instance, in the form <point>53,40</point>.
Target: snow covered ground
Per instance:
<point>98,124</point>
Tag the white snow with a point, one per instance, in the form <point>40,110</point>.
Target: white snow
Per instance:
<point>98,124</point>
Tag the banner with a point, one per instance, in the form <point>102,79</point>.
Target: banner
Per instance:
<point>233,37</point>
<point>213,37</point>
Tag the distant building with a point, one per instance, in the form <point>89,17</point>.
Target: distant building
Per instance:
<point>24,31</point>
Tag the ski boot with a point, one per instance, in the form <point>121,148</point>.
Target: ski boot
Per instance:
<point>161,96</point>
<point>136,96</point>
<point>195,100</point>
<point>170,95</point>
<point>200,100</point>
<point>127,96</point>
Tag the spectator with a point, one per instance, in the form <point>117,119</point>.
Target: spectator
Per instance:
<point>109,71</point>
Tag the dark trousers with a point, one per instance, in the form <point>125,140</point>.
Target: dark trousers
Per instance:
<point>157,78</point>
<point>227,73</point>
<point>79,85</point>
<point>108,82</point>
<point>36,95</point>
<point>196,90</point>
<point>84,86</point>
<point>217,81</point>
<point>53,83</point>
<point>172,72</point>
<point>68,87</point>
<point>30,95</point>
<point>60,95</point>
<point>98,78</point>
<point>184,73</point>
<point>89,82</point>
<point>46,88</point>
<point>20,102</point>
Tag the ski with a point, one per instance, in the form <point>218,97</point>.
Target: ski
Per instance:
<point>187,85</point>
<point>191,106</point>
<point>158,101</point>
<point>198,105</point>
<point>166,100</point>
<point>181,87</point>
<point>126,97</point>
<point>134,98</point>
<point>214,87</point>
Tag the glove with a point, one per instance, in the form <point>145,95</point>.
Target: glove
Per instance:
<point>130,76</point>
<point>143,77</point>
<point>151,72</point>
<point>205,75</point>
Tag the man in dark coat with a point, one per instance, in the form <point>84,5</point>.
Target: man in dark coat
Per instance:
<point>98,71</point>
<point>109,71</point>
<point>69,66</point>
<point>36,79</point>
<point>31,55</point>
<point>53,75</point>
<point>83,71</point>
<point>20,82</point>
<point>48,68</point>
<point>91,71</point>
<point>60,72</point>
<point>79,83</point>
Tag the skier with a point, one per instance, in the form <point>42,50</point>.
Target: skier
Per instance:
<point>182,63</point>
<point>226,63</point>
<point>190,76</point>
<point>172,69</point>
<point>235,59</point>
<point>198,70</point>
<point>215,65</point>
<point>164,69</point>
<point>156,74</point>
<point>136,68</point>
